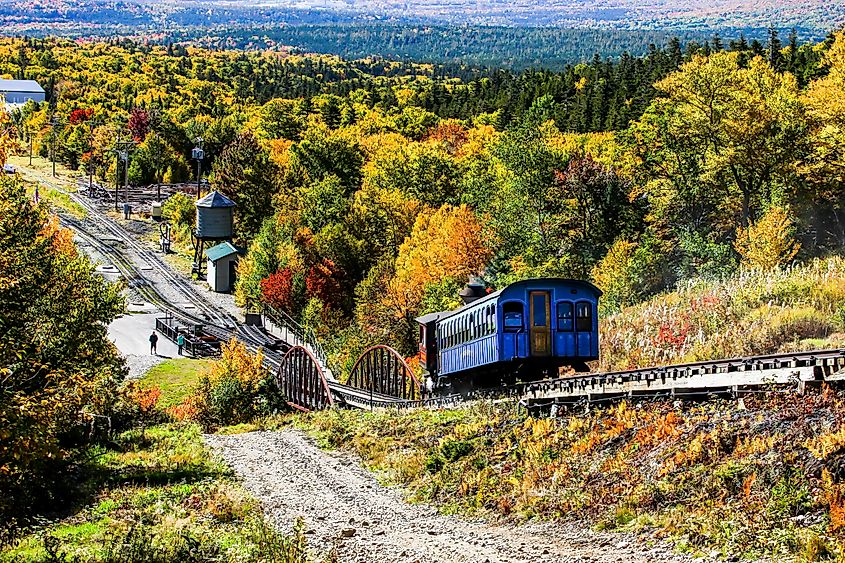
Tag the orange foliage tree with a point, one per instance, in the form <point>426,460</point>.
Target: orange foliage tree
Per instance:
<point>445,244</point>
<point>448,243</point>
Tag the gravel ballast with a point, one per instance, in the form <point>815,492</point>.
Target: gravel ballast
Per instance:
<point>349,514</point>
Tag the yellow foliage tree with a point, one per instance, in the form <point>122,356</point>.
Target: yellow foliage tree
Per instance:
<point>239,363</point>
<point>769,242</point>
<point>449,243</point>
<point>825,101</point>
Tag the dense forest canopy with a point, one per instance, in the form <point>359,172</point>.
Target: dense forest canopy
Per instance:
<point>369,190</point>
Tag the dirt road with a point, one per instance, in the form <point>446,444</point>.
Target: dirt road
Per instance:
<point>346,511</point>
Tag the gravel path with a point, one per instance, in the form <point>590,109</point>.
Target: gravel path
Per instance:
<point>348,513</point>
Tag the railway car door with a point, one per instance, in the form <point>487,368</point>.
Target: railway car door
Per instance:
<point>541,334</point>
<point>584,328</point>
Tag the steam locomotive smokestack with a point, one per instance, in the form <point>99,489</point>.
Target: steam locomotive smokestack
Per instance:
<point>473,291</point>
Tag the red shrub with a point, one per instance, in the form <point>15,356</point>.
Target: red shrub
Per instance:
<point>139,124</point>
<point>80,115</point>
<point>323,283</point>
<point>277,290</point>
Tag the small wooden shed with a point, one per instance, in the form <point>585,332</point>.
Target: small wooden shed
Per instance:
<point>222,264</point>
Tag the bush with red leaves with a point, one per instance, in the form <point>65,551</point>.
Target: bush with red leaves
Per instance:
<point>78,116</point>
<point>277,290</point>
<point>323,282</point>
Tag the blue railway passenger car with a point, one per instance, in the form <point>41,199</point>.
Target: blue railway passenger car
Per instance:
<point>527,329</point>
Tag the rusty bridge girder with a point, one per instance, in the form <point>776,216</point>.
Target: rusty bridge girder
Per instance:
<point>381,369</point>
<point>303,382</point>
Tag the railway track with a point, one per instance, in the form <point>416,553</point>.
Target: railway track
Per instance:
<point>726,377</point>
<point>217,323</point>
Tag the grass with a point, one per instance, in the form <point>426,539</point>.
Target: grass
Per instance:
<point>763,479</point>
<point>176,378</point>
<point>157,495</point>
<point>753,312</point>
<point>50,189</point>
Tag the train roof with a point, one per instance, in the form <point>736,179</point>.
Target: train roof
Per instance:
<point>425,319</point>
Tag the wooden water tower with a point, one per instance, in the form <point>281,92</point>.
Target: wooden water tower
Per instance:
<point>214,223</point>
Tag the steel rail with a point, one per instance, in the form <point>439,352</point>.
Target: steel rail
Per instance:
<point>180,284</point>
<point>686,379</point>
<point>142,285</point>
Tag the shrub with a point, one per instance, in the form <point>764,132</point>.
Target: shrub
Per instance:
<point>237,390</point>
<point>278,290</point>
<point>770,242</point>
<point>629,272</point>
<point>179,209</point>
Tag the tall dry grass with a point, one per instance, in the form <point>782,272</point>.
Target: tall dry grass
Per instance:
<point>754,312</point>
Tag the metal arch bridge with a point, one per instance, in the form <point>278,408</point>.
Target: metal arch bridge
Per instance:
<point>382,378</point>
<point>379,378</point>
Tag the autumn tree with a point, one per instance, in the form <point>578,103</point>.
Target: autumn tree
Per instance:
<point>596,210</point>
<point>282,119</point>
<point>768,243</point>
<point>278,290</point>
<point>422,171</point>
<point>447,244</point>
<point>718,147</point>
<point>268,253</point>
<point>824,166</point>
<point>58,367</point>
<point>139,124</point>
<point>524,208</point>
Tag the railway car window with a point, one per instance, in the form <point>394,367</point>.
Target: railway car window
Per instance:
<point>540,310</point>
<point>513,316</point>
<point>564,315</point>
<point>584,317</point>
<point>487,320</point>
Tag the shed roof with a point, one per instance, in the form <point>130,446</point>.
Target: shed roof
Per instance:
<point>222,250</point>
<point>215,199</point>
<point>27,86</point>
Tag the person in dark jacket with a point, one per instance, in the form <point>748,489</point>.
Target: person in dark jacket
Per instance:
<point>153,342</point>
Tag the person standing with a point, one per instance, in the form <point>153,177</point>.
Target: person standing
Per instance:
<point>153,342</point>
<point>180,342</point>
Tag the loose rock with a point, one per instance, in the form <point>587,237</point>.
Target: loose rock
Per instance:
<point>328,490</point>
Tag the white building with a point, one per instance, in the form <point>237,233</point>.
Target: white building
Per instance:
<point>222,261</point>
<point>18,92</point>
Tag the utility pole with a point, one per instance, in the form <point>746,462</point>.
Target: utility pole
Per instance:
<point>122,148</point>
<point>198,154</point>
<point>30,131</point>
<point>116,170</point>
<point>53,123</point>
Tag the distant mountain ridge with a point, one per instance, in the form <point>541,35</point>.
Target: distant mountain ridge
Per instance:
<point>816,15</point>
<point>626,14</point>
<point>513,34</point>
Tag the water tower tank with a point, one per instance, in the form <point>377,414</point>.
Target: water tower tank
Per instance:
<point>214,217</point>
